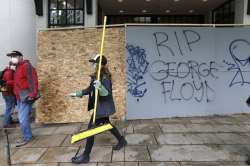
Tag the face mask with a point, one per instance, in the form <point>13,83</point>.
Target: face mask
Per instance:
<point>14,60</point>
<point>94,65</point>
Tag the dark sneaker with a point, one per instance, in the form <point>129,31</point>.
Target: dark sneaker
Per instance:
<point>10,126</point>
<point>248,161</point>
<point>122,143</point>
<point>12,121</point>
<point>22,142</point>
<point>80,159</point>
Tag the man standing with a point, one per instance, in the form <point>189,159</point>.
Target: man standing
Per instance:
<point>25,89</point>
<point>7,92</point>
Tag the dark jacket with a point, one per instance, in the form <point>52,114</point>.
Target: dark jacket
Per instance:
<point>105,104</point>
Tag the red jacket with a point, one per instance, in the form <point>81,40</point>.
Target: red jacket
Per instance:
<point>25,81</point>
<point>8,75</point>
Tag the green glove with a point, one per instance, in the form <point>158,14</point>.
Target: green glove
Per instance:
<point>102,90</point>
<point>76,94</point>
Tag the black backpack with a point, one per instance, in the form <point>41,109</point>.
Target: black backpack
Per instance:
<point>2,82</point>
<point>1,74</point>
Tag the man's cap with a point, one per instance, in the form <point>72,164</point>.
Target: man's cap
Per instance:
<point>15,53</point>
<point>96,59</point>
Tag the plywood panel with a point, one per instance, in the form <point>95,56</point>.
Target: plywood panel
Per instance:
<point>63,68</point>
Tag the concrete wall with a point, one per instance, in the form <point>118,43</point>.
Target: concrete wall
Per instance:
<point>241,16</point>
<point>63,68</point>
<point>17,30</point>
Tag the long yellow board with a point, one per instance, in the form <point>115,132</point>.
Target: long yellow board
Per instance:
<point>90,132</point>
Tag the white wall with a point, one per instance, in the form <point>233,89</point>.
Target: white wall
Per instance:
<point>246,17</point>
<point>42,21</point>
<point>239,8</point>
<point>186,71</point>
<point>91,20</point>
<point>17,30</point>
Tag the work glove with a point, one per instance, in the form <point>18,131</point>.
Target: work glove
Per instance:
<point>97,84</point>
<point>72,94</point>
<point>102,90</point>
<point>76,94</point>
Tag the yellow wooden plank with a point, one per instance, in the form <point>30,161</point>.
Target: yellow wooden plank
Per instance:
<point>90,132</point>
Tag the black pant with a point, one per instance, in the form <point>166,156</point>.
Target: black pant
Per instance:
<point>90,140</point>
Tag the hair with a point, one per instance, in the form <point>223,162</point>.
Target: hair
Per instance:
<point>104,72</point>
<point>248,100</point>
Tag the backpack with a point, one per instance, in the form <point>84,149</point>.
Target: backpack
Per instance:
<point>1,74</point>
<point>33,70</point>
<point>2,82</point>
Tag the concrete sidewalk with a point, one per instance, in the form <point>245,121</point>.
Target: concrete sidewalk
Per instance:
<point>198,141</point>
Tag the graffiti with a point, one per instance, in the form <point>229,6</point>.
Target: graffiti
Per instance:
<point>197,86</point>
<point>161,70</point>
<point>137,65</point>
<point>179,80</point>
<point>173,75</point>
<point>163,45</point>
<point>240,52</point>
<point>188,91</point>
<point>187,37</point>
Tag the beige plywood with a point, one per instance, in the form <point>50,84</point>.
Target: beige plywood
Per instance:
<point>63,68</point>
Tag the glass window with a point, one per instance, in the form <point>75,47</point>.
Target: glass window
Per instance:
<point>65,13</point>
<point>148,19</point>
<point>79,16</point>
<point>70,16</point>
<point>61,4</point>
<point>79,4</point>
<point>62,16</point>
<point>71,4</point>
<point>224,14</point>
<point>53,17</point>
<point>53,4</point>
<point>196,19</point>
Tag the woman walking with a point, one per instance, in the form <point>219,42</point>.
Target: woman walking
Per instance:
<point>105,107</point>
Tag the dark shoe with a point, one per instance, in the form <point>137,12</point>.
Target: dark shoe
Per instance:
<point>80,159</point>
<point>122,143</point>
<point>9,126</point>
<point>12,121</point>
<point>248,161</point>
<point>23,142</point>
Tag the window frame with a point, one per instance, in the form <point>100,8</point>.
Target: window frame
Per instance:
<point>65,10</point>
<point>224,14</point>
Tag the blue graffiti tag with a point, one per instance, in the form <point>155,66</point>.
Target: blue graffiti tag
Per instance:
<point>137,68</point>
<point>240,61</point>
